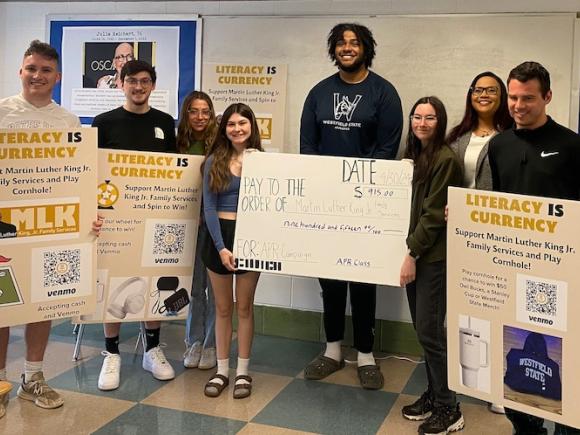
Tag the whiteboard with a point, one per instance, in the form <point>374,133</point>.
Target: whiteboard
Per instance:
<point>420,55</point>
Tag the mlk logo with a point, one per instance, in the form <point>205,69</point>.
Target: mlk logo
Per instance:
<point>344,107</point>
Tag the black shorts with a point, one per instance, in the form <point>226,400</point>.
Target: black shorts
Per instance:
<point>210,255</point>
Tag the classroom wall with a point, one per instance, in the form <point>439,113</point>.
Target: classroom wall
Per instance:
<point>419,54</point>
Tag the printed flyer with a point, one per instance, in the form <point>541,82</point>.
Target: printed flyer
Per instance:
<point>262,87</point>
<point>145,253</point>
<point>511,275</point>
<point>324,217</point>
<point>47,206</point>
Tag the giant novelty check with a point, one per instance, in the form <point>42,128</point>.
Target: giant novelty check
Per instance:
<point>327,217</point>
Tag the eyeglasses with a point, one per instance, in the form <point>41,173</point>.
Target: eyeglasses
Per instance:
<point>490,90</point>
<point>143,82</point>
<point>126,57</point>
<point>197,112</point>
<point>429,119</point>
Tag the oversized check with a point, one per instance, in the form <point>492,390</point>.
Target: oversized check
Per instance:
<point>512,298</point>
<point>151,203</point>
<point>327,217</point>
<point>47,206</point>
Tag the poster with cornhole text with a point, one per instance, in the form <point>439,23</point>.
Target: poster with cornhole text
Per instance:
<point>327,217</point>
<point>151,204</point>
<point>47,206</point>
<point>512,289</point>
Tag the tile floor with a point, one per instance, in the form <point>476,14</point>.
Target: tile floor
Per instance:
<point>282,401</point>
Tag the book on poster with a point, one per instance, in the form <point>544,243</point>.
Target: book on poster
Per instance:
<point>325,217</point>
<point>145,253</point>
<point>511,276</point>
<point>47,249</point>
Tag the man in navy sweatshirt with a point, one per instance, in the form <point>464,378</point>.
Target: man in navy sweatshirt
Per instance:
<point>353,113</point>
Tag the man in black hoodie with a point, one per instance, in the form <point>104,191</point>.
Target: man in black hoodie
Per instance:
<point>536,157</point>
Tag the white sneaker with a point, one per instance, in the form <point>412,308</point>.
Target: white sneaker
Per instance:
<point>192,356</point>
<point>496,409</point>
<point>110,375</point>
<point>208,359</point>
<point>154,361</point>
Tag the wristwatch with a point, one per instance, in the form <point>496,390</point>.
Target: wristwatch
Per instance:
<point>413,254</point>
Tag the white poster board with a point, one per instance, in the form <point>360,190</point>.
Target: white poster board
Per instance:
<point>512,281</point>
<point>47,248</point>
<point>326,217</point>
<point>151,203</point>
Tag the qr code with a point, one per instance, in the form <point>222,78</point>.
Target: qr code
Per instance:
<point>62,267</point>
<point>169,239</point>
<point>541,297</point>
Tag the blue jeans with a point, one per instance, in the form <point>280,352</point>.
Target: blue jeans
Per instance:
<point>200,324</point>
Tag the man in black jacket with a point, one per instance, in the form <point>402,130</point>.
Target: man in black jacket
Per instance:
<point>536,157</point>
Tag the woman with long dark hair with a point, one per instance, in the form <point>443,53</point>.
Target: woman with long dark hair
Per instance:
<point>195,134</point>
<point>237,133</point>
<point>423,269</point>
<point>486,114</point>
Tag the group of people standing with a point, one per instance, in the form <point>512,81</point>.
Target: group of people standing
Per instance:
<point>502,143</point>
<point>353,113</point>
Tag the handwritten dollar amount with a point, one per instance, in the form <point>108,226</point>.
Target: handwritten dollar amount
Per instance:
<point>372,192</point>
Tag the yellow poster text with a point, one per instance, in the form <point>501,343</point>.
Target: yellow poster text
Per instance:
<point>171,174</point>
<point>37,153</point>
<point>43,219</point>
<point>137,159</point>
<point>500,203</point>
<point>31,138</point>
<point>519,222</point>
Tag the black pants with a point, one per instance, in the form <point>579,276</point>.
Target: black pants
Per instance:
<point>427,303</point>
<point>525,424</point>
<point>363,300</point>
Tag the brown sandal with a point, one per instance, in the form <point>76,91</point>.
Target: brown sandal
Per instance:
<point>243,390</point>
<point>213,388</point>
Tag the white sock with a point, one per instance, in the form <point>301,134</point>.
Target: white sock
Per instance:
<point>243,364</point>
<point>3,374</point>
<point>223,368</point>
<point>333,350</point>
<point>30,368</point>
<point>365,359</point>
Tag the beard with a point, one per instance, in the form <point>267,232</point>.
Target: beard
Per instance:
<point>356,66</point>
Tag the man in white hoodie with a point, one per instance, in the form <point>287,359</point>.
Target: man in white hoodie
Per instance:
<point>33,108</point>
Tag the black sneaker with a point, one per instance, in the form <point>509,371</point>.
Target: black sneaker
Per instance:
<point>421,409</point>
<point>444,419</point>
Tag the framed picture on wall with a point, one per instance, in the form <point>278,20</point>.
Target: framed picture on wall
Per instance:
<point>93,51</point>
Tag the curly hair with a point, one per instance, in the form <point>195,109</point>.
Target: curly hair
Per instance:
<point>222,149</point>
<point>42,49</point>
<point>363,34</point>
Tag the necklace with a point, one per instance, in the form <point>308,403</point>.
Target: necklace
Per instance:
<point>483,132</point>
